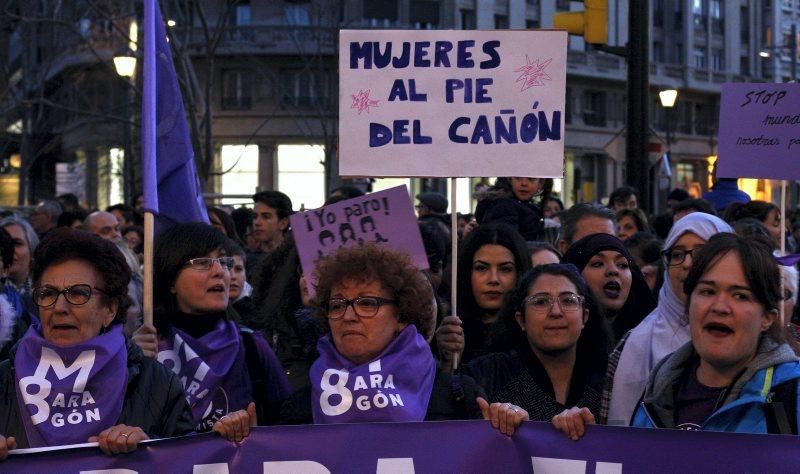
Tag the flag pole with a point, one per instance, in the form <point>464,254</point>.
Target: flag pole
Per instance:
<point>147,306</point>
<point>783,246</point>
<point>453,257</point>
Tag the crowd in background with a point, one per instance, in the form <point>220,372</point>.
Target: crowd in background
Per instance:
<point>597,313</point>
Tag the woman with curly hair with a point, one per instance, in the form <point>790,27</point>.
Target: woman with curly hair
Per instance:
<point>375,364</point>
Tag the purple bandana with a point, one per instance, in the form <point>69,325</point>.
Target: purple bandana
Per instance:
<point>67,394</point>
<point>396,386</point>
<point>203,365</point>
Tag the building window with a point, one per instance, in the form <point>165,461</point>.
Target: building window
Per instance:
<point>380,12</point>
<point>423,14</point>
<point>699,58</point>
<point>744,65</point>
<point>305,88</point>
<point>717,17</point>
<point>240,15</point>
<point>297,15</point>
<point>676,53</point>
<point>658,13</point>
<point>468,19</point>
<point>531,24</point>
<point>705,121</point>
<point>568,104</point>
<point>699,14</point>
<point>594,108</point>
<point>562,5</point>
<point>301,174</point>
<point>677,16</point>
<point>239,169</point>
<point>500,22</point>
<point>744,24</point>
<point>718,60</point>
<point>658,52</point>
<point>237,90</point>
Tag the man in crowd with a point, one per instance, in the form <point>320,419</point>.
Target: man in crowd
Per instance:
<point>44,217</point>
<point>432,208</point>
<point>585,219</point>
<point>103,224</point>
<point>271,222</point>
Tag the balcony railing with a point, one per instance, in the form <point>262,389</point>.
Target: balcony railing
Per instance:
<point>268,39</point>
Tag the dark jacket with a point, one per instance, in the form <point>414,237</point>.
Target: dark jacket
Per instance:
<point>154,400</point>
<point>525,217</point>
<point>522,380</point>
<point>452,398</point>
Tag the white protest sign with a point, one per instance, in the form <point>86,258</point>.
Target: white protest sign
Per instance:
<point>452,103</point>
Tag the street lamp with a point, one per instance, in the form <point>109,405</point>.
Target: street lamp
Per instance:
<point>668,98</point>
<point>125,65</point>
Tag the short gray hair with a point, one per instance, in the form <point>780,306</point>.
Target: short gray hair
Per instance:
<point>30,234</point>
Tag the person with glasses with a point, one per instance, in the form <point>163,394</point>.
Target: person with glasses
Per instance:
<point>665,329</point>
<point>375,364</point>
<point>559,358</point>
<point>111,394</point>
<point>231,377</point>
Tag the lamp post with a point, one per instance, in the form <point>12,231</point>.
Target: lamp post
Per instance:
<point>668,98</point>
<point>125,65</point>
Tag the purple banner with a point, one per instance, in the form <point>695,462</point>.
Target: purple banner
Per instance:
<point>759,131</point>
<point>386,217</point>
<point>460,446</point>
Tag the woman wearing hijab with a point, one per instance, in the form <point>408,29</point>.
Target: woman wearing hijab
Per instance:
<point>614,279</point>
<point>111,393</point>
<point>664,330</point>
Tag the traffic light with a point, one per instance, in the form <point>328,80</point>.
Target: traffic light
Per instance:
<point>591,23</point>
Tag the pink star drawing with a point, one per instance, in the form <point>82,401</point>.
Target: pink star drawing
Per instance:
<point>533,73</point>
<point>361,101</point>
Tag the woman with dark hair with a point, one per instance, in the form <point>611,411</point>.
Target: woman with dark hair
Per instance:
<point>623,197</point>
<point>375,364</point>
<point>765,212</point>
<point>631,221</point>
<point>491,260</point>
<point>562,342</point>
<point>614,279</point>
<point>224,223</point>
<point>232,378</point>
<point>511,201</point>
<point>81,288</point>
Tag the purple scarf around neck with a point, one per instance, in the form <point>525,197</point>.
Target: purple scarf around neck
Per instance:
<point>395,386</point>
<point>67,394</point>
<point>203,364</point>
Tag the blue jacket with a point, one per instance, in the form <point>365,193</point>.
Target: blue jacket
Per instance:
<point>744,408</point>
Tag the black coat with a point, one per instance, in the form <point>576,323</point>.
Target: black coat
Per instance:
<point>522,380</point>
<point>452,398</point>
<point>525,217</point>
<point>154,400</point>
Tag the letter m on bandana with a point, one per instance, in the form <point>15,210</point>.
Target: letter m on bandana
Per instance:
<point>50,360</point>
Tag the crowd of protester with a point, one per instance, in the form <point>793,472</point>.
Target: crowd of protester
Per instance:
<point>581,315</point>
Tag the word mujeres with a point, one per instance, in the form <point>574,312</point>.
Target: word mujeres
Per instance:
<point>381,54</point>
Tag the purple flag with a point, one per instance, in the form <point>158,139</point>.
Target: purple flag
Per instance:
<point>396,386</point>
<point>171,187</point>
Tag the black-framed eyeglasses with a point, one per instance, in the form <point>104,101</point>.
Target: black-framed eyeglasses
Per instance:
<point>542,304</point>
<point>675,257</point>
<point>205,263</point>
<point>364,306</point>
<point>46,296</point>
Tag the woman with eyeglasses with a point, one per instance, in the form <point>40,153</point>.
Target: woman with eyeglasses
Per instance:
<point>232,379</point>
<point>74,377</point>
<point>665,329</point>
<point>559,359</point>
<point>375,364</point>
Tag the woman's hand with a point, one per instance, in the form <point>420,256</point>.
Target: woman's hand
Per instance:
<point>236,426</point>
<point>146,338</point>
<point>450,341</point>
<point>504,416</point>
<point>471,225</point>
<point>6,445</point>
<point>119,439</point>
<point>572,422</point>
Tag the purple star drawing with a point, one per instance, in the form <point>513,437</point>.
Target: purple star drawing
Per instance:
<point>533,73</point>
<point>361,101</point>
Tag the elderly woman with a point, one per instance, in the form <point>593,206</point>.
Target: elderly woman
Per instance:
<point>231,376</point>
<point>112,394</point>
<point>375,364</point>
<point>562,344</point>
<point>25,242</point>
